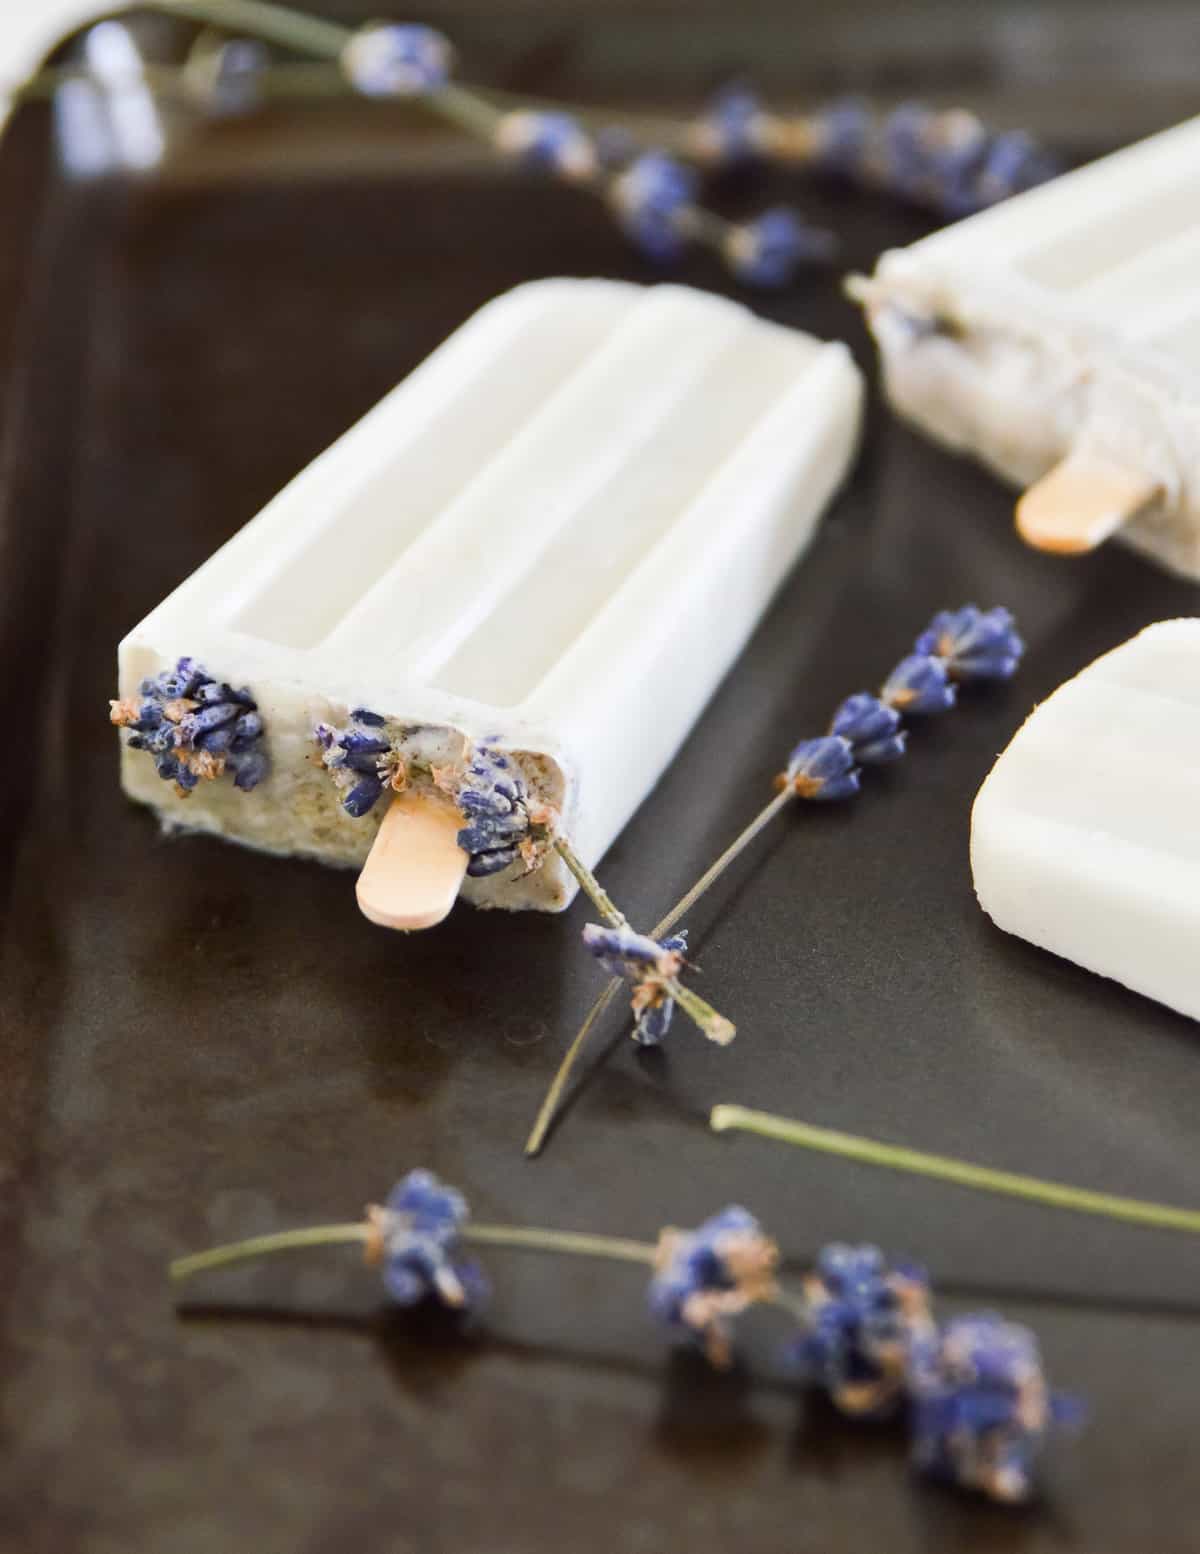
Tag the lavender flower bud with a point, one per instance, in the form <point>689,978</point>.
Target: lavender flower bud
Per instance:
<point>768,251</point>
<point>555,142</point>
<point>414,1235</point>
<point>982,1408</point>
<point>649,198</point>
<point>918,685</point>
<point>872,729</point>
<point>823,768</point>
<point>973,644</point>
<point>863,1322</point>
<point>397,60</point>
<point>706,1277</point>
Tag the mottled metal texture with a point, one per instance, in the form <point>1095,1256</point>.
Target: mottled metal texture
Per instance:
<point>197,1043</point>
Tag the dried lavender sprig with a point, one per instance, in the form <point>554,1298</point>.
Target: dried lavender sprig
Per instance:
<point>960,645</point>
<point>947,159</point>
<point>653,197</point>
<point>961,1173</point>
<point>979,1404</point>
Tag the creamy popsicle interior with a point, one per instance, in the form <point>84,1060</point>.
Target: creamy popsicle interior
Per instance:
<point>1084,836</point>
<point>553,539</point>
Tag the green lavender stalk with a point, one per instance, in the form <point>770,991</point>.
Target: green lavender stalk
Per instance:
<point>530,1238</point>
<point>944,1168</point>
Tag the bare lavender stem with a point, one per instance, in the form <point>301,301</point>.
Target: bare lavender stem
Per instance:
<point>529,1237</point>
<point>589,884</point>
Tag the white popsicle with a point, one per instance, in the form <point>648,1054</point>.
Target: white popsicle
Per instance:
<point>1064,325</point>
<point>1085,837</point>
<point>554,537</point>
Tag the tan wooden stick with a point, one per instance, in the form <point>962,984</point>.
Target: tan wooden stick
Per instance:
<point>414,870</point>
<point>1080,503</point>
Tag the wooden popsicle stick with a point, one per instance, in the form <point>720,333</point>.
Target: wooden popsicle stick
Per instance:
<point>1080,503</point>
<point>415,867</point>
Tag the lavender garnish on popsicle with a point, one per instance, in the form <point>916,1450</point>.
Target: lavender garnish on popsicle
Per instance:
<point>505,826</point>
<point>974,1392</point>
<point>958,647</point>
<point>195,728</point>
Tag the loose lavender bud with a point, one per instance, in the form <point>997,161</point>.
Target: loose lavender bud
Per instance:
<point>706,1277</point>
<point>649,198</point>
<point>363,796</point>
<point>872,729</point>
<point>493,862</point>
<point>823,768</point>
<point>555,142</point>
<point>249,770</point>
<point>415,1236</point>
<point>768,251</point>
<point>863,1320</point>
<point>181,681</point>
<point>195,724</point>
<point>973,644</point>
<point>918,685</point>
<point>397,60</point>
<point>982,1408</point>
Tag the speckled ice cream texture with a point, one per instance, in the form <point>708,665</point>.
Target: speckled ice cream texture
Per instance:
<point>1070,324</point>
<point>554,537</point>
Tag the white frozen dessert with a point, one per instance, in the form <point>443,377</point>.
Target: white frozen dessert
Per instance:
<point>1085,837</point>
<point>551,540</point>
<point>1062,328</point>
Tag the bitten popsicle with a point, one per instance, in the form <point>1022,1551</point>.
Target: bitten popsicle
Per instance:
<point>549,542</point>
<point>1057,338</point>
<point>1084,838</point>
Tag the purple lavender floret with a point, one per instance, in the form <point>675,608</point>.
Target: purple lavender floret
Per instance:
<point>196,727</point>
<point>554,142</point>
<point>982,1409</point>
<point>235,84</point>
<point>625,953</point>
<point>906,135</point>
<point>973,644</point>
<point>865,1320</point>
<point>494,803</point>
<point>731,132</point>
<point>355,755</point>
<point>654,1021</point>
<point>705,1277</point>
<point>415,1237</point>
<point>844,129</point>
<point>919,685</point>
<point>823,768</point>
<point>397,60</point>
<point>1014,163</point>
<point>872,728</point>
<point>769,250</point>
<point>649,199</point>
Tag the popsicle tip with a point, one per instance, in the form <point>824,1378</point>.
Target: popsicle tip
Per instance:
<point>1080,503</point>
<point>415,868</point>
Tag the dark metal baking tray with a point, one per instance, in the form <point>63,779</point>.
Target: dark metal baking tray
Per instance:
<point>200,1043</point>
